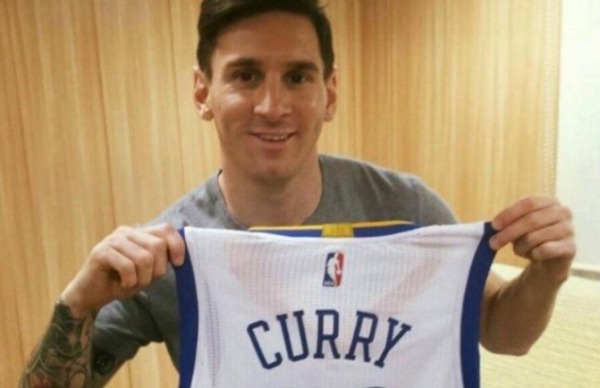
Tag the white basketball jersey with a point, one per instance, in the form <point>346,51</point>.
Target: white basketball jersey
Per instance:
<point>393,306</point>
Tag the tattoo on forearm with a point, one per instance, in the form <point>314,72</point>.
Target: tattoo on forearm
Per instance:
<point>63,356</point>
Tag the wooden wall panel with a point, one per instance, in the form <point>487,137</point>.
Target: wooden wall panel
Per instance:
<point>60,104</point>
<point>465,98</point>
<point>53,160</point>
<point>140,106</point>
<point>464,94</point>
<point>344,135</point>
<point>200,155</point>
<point>14,194</point>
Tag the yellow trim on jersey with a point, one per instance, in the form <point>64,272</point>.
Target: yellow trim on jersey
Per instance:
<point>331,230</point>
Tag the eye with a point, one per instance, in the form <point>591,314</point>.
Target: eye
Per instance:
<point>246,76</point>
<point>297,78</point>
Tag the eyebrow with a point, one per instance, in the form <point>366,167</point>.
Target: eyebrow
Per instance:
<point>253,63</point>
<point>243,62</point>
<point>304,66</point>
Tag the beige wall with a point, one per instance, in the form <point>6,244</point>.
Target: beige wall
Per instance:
<point>97,125</point>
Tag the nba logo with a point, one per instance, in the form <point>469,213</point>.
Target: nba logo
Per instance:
<point>334,266</point>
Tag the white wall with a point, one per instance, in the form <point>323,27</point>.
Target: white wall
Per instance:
<point>578,159</point>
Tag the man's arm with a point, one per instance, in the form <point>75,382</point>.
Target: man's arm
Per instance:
<point>64,357</point>
<point>120,266</point>
<point>516,313</point>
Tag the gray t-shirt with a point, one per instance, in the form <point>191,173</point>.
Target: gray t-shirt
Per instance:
<point>353,191</point>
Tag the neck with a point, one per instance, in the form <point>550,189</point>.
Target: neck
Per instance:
<point>277,202</point>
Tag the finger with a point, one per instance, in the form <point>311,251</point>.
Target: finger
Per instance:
<point>520,208</point>
<point>528,223</point>
<point>124,268</point>
<point>563,249</point>
<point>555,232</point>
<point>154,244</point>
<point>142,258</point>
<point>175,243</point>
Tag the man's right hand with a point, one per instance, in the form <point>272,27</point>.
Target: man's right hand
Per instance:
<point>122,264</point>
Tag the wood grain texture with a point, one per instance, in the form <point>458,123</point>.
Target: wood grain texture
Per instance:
<point>98,126</point>
<point>344,135</point>
<point>200,154</point>
<point>56,166</point>
<point>467,99</point>
<point>140,105</point>
<point>468,85</point>
<point>13,205</point>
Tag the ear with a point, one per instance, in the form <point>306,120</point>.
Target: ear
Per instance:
<point>201,92</point>
<point>331,89</point>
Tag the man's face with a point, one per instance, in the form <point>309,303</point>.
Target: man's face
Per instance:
<point>267,96</point>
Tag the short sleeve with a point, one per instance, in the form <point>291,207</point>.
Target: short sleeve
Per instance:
<point>432,209</point>
<point>123,326</point>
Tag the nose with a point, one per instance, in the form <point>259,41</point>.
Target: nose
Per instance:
<point>272,100</point>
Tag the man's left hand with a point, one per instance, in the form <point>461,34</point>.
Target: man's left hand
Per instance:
<point>540,229</point>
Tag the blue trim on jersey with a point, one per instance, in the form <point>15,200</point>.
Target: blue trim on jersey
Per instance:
<point>292,232</point>
<point>469,344</point>
<point>375,231</point>
<point>188,315</point>
<point>359,231</point>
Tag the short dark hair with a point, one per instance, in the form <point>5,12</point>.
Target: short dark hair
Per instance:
<point>218,14</point>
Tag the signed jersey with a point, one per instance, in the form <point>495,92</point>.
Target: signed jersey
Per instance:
<point>389,306</point>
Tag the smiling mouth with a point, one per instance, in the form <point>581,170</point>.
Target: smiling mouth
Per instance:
<point>274,138</point>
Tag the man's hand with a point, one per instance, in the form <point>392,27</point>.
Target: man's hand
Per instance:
<point>516,313</point>
<point>121,265</point>
<point>540,230</point>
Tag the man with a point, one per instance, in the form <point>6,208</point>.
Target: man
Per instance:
<point>266,78</point>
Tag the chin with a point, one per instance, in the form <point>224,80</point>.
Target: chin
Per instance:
<point>272,177</point>
<point>271,173</point>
